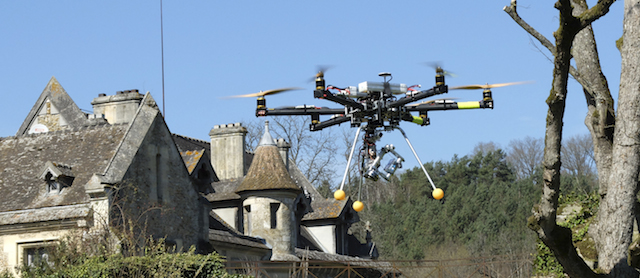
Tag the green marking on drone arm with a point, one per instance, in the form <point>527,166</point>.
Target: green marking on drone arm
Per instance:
<point>468,105</point>
<point>417,120</point>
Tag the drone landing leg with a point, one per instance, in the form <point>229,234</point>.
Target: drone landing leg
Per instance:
<point>416,155</point>
<point>353,148</point>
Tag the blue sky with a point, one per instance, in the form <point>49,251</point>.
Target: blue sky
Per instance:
<point>220,48</point>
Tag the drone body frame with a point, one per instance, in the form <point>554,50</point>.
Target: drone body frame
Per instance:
<point>374,107</point>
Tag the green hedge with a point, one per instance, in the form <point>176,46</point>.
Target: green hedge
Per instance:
<point>152,265</point>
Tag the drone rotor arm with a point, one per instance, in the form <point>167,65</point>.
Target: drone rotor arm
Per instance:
<point>452,106</point>
<point>324,94</point>
<point>330,122</point>
<point>407,117</point>
<point>437,90</point>
<point>301,110</point>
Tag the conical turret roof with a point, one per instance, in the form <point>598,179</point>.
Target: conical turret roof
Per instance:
<point>267,171</point>
<point>267,140</point>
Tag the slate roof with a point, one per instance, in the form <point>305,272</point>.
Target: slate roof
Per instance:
<point>45,214</point>
<point>366,267</point>
<point>191,158</point>
<point>224,190</point>
<point>86,150</point>
<point>223,232</point>
<point>267,172</point>
<point>316,255</point>
<point>326,209</point>
<point>237,239</point>
<point>185,143</point>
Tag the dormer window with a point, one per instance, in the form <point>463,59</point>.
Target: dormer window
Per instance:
<point>52,184</point>
<point>57,177</point>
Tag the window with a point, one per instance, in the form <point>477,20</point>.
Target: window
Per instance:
<point>247,220</point>
<point>35,256</point>
<point>173,246</point>
<point>53,186</point>
<point>274,215</point>
<point>57,177</point>
<point>159,178</point>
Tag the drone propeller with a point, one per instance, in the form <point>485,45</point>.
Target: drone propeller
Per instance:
<point>266,93</point>
<point>446,99</point>
<point>320,73</point>
<point>438,67</point>
<point>487,86</point>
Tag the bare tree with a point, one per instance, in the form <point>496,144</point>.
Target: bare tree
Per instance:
<point>525,155</point>
<point>613,135</point>
<point>577,155</point>
<point>313,152</point>
<point>254,133</point>
<point>577,162</point>
<point>485,147</point>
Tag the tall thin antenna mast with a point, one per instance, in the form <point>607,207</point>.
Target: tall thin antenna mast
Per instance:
<point>162,53</point>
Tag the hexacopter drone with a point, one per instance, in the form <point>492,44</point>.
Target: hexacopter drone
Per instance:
<point>375,107</point>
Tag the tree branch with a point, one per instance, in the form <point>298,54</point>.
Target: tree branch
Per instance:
<point>596,12</point>
<point>511,10</point>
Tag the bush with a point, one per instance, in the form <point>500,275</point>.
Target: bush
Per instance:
<point>156,261</point>
<point>186,264</point>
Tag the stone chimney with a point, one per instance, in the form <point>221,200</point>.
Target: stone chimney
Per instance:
<point>227,150</point>
<point>119,108</point>
<point>284,147</point>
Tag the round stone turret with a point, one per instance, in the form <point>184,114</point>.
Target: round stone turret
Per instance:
<point>269,198</point>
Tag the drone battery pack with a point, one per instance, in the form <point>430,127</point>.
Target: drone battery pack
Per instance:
<point>367,87</point>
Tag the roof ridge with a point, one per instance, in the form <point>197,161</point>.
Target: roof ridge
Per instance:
<point>87,204</point>
<point>147,100</point>
<point>190,138</point>
<point>71,129</point>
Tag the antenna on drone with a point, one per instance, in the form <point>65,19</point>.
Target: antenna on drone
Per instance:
<point>386,75</point>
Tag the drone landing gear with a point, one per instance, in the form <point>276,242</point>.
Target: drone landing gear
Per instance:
<point>372,172</point>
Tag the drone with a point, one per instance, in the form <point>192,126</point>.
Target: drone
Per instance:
<point>374,107</point>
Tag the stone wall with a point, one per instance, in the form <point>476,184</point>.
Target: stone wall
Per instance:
<point>157,190</point>
<point>259,222</point>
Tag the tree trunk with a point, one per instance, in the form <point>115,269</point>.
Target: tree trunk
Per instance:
<point>600,120</point>
<point>617,207</point>
<point>557,238</point>
<point>600,116</point>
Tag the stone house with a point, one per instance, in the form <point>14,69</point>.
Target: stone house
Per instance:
<point>66,170</point>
